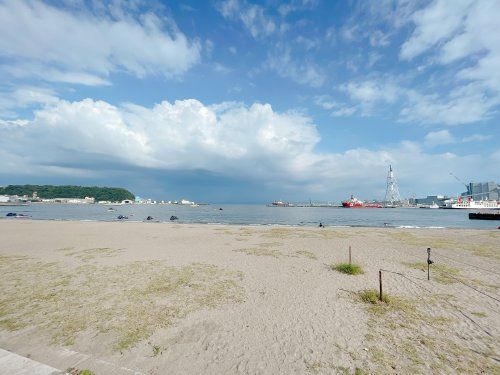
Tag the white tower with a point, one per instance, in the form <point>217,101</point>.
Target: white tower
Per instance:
<point>392,191</point>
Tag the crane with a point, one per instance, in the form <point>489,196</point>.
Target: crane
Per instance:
<point>463,183</point>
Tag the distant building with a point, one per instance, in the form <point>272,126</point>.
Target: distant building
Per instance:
<point>483,191</point>
<point>4,199</point>
<point>430,199</point>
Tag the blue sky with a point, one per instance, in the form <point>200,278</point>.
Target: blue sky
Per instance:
<point>246,101</point>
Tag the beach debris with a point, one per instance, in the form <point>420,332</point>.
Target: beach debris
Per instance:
<point>121,217</point>
<point>172,218</point>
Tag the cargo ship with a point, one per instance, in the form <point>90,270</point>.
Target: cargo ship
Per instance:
<point>356,203</point>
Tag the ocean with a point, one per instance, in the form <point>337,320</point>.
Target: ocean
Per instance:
<point>258,215</point>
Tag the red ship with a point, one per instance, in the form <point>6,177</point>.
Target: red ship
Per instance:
<point>356,203</point>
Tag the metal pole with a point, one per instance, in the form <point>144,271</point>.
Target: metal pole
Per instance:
<point>380,284</point>
<point>429,262</point>
<point>349,254</point>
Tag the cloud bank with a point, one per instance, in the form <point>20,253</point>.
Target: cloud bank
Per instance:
<point>254,143</point>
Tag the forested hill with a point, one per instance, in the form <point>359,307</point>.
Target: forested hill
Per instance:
<point>69,191</point>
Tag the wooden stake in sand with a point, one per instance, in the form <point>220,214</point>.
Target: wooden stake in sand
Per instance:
<point>429,262</point>
<point>380,284</point>
<point>349,254</point>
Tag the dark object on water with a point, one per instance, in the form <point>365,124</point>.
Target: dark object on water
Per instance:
<point>121,217</point>
<point>220,209</point>
<point>172,218</point>
<point>149,218</point>
<point>321,225</point>
<point>15,214</point>
<point>484,216</point>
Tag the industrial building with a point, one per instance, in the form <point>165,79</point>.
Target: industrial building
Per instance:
<point>483,191</point>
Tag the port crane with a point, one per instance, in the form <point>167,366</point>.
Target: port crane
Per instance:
<point>463,183</point>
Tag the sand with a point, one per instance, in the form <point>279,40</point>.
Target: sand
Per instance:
<point>151,298</point>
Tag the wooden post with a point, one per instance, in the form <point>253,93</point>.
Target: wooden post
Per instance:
<point>429,262</point>
<point>380,284</point>
<point>349,254</point>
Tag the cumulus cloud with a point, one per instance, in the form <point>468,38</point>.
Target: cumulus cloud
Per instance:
<point>254,143</point>
<point>83,45</point>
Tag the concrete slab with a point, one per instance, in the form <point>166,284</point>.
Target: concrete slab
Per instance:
<point>14,364</point>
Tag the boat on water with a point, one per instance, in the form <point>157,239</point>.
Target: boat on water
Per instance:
<point>471,204</point>
<point>356,203</point>
<point>281,204</point>
<point>433,205</point>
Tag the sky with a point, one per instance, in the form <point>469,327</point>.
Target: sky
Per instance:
<point>239,101</point>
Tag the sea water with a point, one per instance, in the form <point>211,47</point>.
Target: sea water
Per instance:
<point>258,215</point>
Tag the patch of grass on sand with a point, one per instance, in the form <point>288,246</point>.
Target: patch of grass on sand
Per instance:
<point>482,248</point>
<point>75,371</point>
<point>320,367</point>
<point>439,272</point>
<point>261,252</point>
<point>350,269</point>
<point>89,254</point>
<point>128,301</point>
<point>321,233</point>
<point>372,296</point>
<point>307,254</point>
<point>479,314</point>
<point>409,336</point>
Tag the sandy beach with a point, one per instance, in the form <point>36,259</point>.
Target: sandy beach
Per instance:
<point>151,298</point>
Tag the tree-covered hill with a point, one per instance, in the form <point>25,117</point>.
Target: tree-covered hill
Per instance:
<point>69,191</point>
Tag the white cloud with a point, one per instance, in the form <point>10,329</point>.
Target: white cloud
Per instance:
<point>88,138</point>
<point>24,96</point>
<point>305,73</point>
<point>465,32</point>
<point>325,102</point>
<point>252,16</point>
<point>371,91</point>
<point>466,104</point>
<point>440,137</point>
<point>476,138</point>
<point>433,24</point>
<point>337,109</point>
<point>85,46</point>
<point>296,5</point>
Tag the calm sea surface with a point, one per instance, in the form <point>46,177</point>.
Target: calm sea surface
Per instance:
<point>258,215</point>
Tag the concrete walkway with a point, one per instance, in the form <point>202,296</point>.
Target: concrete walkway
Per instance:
<point>14,364</point>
